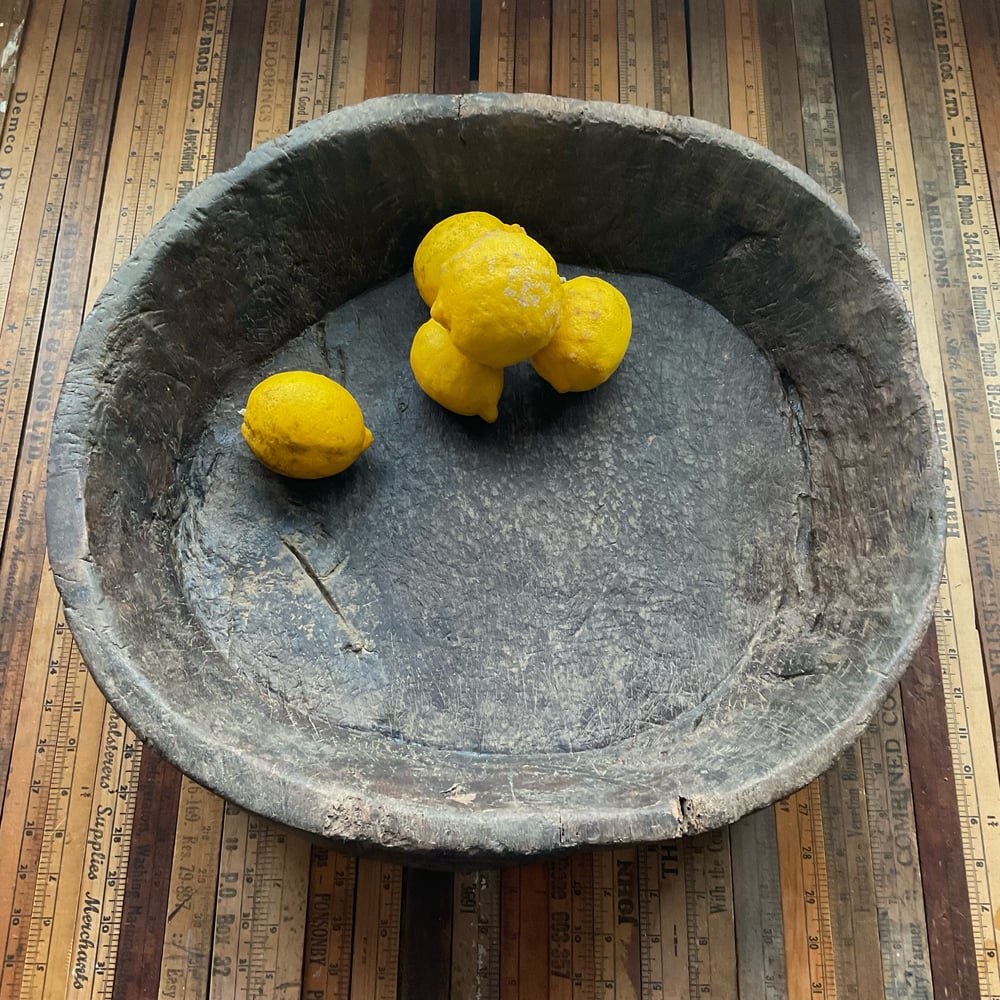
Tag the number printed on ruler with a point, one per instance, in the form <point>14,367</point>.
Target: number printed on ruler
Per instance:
<point>967,700</point>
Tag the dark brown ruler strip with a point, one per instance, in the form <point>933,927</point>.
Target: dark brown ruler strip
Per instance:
<point>147,884</point>
<point>857,131</point>
<point>946,896</point>
<point>452,47</point>
<point>982,36</point>
<point>425,936</point>
<point>706,27</point>
<point>239,87</point>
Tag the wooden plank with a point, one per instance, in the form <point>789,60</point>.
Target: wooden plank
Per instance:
<point>147,880</point>
<point>560,965</point>
<point>946,900</point>
<point>425,942</point>
<point>276,81</point>
<point>22,128</point>
<point>418,71</point>
<point>760,938</point>
<point>510,934</point>
<point>237,107</point>
<point>475,935</point>
<point>533,936</point>
<point>974,760</point>
<point>982,41</point>
<point>710,86</point>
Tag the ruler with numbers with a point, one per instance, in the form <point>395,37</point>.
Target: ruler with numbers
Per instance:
<point>970,728</point>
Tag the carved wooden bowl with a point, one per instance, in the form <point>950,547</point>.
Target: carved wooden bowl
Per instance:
<point>615,616</point>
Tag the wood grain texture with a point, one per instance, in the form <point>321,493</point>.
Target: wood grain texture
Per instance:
<point>946,897</point>
<point>946,886</point>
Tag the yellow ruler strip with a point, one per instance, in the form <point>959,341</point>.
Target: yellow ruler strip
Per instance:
<point>805,896</point>
<point>329,926</point>
<point>46,755</point>
<point>967,704</point>
<point>202,121</point>
<point>376,931</point>
<point>263,871</point>
<point>745,69</point>
<point>316,62</point>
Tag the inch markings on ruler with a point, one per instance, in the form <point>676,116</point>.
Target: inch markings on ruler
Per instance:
<point>635,53</point>
<point>46,756</point>
<point>668,37</point>
<point>973,753</point>
<point>805,895</point>
<point>376,931</point>
<point>760,940</point>
<point>475,935</point>
<point>317,56</point>
<point>746,90</point>
<point>711,930</point>
<point>560,984</point>
<point>262,892</point>
<point>329,925</point>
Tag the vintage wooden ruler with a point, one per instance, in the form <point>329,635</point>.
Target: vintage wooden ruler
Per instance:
<point>913,256</point>
<point>97,806</point>
<point>22,128</point>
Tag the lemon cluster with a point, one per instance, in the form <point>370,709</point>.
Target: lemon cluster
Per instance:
<point>496,299</point>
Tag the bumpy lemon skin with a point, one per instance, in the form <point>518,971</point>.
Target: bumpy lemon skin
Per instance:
<point>595,327</point>
<point>452,379</point>
<point>499,298</point>
<point>443,240</point>
<point>304,425</point>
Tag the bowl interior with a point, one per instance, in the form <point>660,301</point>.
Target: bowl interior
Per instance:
<point>614,616</point>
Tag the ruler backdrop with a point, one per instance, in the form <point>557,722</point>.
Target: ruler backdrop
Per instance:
<point>120,878</point>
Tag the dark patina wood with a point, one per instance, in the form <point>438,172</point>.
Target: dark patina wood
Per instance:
<point>610,618</point>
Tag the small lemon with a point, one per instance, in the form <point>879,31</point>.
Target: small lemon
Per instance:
<point>499,298</point>
<point>595,327</point>
<point>444,239</point>
<point>450,378</point>
<point>304,425</point>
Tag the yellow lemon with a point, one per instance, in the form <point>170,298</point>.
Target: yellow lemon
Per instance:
<point>446,238</point>
<point>450,378</point>
<point>304,425</point>
<point>499,298</point>
<point>594,330</point>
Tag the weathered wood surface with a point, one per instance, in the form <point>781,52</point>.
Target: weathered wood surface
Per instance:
<point>881,876</point>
